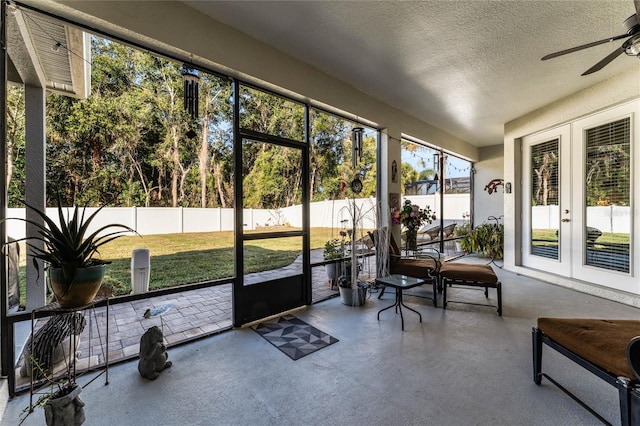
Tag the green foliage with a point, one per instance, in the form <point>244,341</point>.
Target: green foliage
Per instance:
<point>334,249</point>
<point>57,387</point>
<point>128,143</point>
<point>486,240</point>
<point>462,230</point>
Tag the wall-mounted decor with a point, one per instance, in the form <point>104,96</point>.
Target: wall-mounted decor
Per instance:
<point>394,172</point>
<point>492,186</point>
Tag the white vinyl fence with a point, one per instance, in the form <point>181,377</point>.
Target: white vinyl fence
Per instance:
<point>168,220</point>
<point>605,218</point>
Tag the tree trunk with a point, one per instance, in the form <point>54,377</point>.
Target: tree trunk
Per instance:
<point>203,157</point>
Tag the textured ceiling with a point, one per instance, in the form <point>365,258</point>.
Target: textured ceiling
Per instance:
<point>467,67</point>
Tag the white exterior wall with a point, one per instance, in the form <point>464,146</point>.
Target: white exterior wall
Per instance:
<point>490,166</point>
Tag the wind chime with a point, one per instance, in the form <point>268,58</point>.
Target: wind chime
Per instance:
<point>191,80</point>
<point>356,156</point>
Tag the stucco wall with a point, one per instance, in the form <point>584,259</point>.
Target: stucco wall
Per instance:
<point>489,167</point>
<point>613,91</point>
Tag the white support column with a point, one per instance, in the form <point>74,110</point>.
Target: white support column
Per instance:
<point>35,185</point>
<point>391,151</point>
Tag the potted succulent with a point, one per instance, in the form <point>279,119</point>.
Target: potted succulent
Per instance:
<point>73,273</point>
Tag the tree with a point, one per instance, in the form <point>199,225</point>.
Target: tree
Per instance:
<point>15,122</point>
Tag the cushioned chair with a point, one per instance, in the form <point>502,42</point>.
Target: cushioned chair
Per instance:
<point>470,275</point>
<point>421,265</point>
<point>607,348</point>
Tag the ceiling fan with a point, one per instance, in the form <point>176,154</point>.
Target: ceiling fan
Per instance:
<point>631,46</point>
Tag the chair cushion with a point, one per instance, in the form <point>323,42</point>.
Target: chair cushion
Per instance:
<point>418,268</point>
<point>468,272</point>
<point>601,342</point>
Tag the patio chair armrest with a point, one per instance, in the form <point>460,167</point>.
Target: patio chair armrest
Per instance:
<point>431,252</point>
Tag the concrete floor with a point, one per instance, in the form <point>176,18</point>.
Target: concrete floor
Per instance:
<point>463,365</point>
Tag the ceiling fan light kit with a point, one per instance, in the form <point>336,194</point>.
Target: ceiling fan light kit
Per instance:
<point>631,46</point>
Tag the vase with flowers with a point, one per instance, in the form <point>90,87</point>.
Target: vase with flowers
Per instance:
<point>412,217</point>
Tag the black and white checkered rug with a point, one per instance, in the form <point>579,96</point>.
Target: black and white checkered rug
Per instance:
<point>293,336</point>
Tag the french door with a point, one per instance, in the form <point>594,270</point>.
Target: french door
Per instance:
<point>547,194</point>
<point>579,185</point>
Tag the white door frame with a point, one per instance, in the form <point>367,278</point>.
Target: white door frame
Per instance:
<point>628,282</point>
<point>561,265</point>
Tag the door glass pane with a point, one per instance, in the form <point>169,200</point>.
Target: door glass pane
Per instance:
<point>545,207</point>
<point>270,259</point>
<point>271,114</point>
<point>420,185</point>
<point>272,187</point>
<point>608,199</point>
<point>272,203</point>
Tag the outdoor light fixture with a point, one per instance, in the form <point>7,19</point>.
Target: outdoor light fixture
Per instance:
<point>191,80</point>
<point>356,145</point>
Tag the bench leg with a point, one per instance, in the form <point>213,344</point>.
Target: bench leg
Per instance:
<point>444,293</point>
<point>435,293</point>
<point>499,289</point>
<point>536,343</point>
<point>624,393</point>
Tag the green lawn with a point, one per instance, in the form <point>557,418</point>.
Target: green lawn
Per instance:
<point>178,259</point>
<point>549,237</point>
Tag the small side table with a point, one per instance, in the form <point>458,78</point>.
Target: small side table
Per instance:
<point>400,282</point>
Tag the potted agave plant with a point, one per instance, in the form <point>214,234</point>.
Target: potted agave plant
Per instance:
<point>73,273</point>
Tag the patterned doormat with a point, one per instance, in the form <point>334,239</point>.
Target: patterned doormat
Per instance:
<point>293,336</point>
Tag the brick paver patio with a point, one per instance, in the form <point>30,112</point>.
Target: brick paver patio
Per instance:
<point>188,315</point>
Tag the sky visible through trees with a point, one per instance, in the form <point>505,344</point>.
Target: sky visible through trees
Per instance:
<point>132,143</point>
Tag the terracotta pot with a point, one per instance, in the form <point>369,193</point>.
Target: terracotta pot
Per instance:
<point>80,290</point>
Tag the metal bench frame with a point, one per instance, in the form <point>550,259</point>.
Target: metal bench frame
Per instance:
<point>628,391</point>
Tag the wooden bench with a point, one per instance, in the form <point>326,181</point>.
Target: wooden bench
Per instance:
<point>607,348</point>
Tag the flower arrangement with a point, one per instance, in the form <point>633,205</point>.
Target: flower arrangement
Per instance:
<point>412,216</point>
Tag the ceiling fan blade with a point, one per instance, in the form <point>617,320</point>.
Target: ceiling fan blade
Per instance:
<point>584,46</point>
<point>605,61</point>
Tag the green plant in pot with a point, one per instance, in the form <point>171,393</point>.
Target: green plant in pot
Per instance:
<point>74,274</point>
<point>333,250</point>
<point>486,239</point>
<point>462,230</point>
<point>61,402</point>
